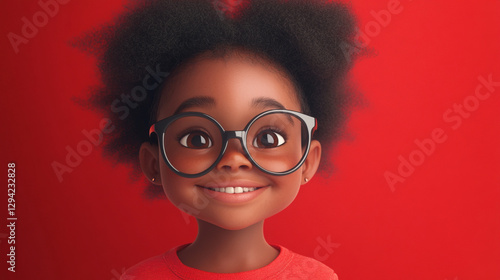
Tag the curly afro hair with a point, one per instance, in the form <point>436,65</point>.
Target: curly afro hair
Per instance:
<point>307,38</point>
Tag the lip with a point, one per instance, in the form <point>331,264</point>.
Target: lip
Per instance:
<point>233,198</point>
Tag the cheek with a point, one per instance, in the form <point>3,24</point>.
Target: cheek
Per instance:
<point>285,190</point>
<point>181,191</point>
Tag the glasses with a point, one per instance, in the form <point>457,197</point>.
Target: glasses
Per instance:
<point>276,141</point>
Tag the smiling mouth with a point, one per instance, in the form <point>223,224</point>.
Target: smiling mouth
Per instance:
<point>233,190</point>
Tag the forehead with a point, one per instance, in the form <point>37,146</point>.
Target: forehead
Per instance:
<point>234,81</point>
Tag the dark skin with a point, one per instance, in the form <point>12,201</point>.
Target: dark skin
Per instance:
<point>234,255</point>
<point>234,88</point>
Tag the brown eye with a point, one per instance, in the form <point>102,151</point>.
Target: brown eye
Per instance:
<point>268,139</point>
<point>196,140</point>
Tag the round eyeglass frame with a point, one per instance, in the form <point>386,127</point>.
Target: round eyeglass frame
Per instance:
<point>161,126</point>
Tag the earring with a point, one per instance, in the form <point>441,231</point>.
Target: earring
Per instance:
<point>153,179</point>
<point>306,180</point>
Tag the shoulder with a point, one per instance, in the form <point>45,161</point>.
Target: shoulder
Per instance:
<point>153,268</point>
<point>302,267</point>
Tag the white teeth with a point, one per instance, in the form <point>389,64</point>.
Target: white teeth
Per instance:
<point>233,189</point>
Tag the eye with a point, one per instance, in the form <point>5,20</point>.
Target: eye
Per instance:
<point>196,140</point>
<point>268,139</point>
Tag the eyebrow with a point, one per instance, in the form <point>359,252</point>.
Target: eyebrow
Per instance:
<point>200,101</point>
<point>205,101</point>
<point>265,102</point>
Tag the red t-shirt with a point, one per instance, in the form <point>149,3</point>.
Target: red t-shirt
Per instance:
<point>288,265</point>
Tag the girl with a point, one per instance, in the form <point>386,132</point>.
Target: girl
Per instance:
<point>231,104</point>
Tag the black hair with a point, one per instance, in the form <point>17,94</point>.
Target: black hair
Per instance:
<point>307,38</point>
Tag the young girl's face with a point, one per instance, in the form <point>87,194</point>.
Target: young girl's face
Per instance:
<point>232,89</point>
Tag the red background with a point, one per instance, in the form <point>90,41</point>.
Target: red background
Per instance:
<point>442,222</point>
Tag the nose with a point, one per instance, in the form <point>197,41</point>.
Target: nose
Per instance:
<point>234,158</point>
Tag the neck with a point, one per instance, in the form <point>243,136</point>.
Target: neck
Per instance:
<point>228,251</point>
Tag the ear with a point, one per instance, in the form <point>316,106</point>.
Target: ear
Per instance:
<point>312,161</point>
<point>149,160</point>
